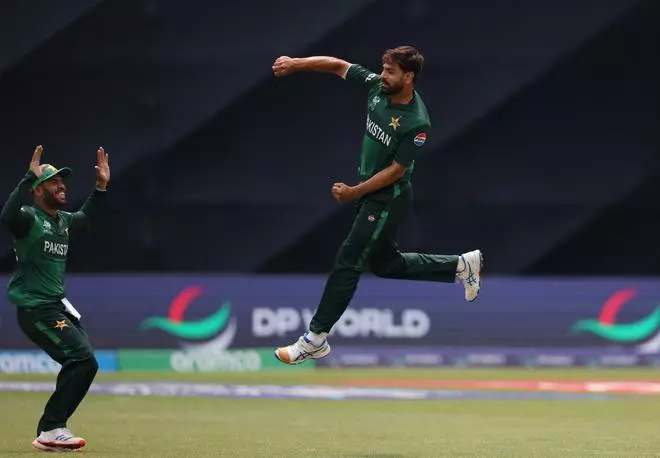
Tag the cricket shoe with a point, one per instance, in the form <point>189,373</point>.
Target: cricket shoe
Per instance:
<point>302,350</point>
<point>58,440</point>
<point>471,264</point>
<point>45,448</point>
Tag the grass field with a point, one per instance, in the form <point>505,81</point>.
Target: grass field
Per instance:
<point>119,426</point>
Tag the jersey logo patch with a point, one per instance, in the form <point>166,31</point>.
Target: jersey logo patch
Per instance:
<point>371,218</point>
<point>419,139</point>
<point>395,122</point>
<point>375,101</point>
<point>60,325</point>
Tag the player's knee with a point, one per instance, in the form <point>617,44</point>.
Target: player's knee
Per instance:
<point>83,362</point>
<point>347,265</point>
<point>343,261</point>
<point>89,362</point>
<point>93,365</point>
<point>381,270</point>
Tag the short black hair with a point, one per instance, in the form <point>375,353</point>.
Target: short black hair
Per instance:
<point>408,58</point>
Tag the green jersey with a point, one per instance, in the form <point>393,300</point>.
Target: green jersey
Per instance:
<point>41,243</point>
<point>394,132</point>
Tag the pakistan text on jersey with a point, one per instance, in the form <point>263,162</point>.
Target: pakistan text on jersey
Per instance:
<point>55,248</point>
<point>378,133</point>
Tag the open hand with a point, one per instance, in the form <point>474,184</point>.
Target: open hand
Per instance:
<point>102,168</point>
<point>35,166</point>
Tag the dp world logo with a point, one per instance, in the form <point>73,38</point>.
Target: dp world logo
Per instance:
<point>215,332</point>
<point>645,332</point>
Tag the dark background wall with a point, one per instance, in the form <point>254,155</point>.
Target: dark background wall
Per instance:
<point>545,151</point>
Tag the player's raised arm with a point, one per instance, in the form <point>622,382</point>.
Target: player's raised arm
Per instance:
<point>17,221</point>
<point>89,209</point>
<point>354,73</point>
<point>285,65</point>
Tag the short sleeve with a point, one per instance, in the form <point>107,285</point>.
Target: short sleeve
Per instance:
<point>361,76</point>
<point>411,145</point>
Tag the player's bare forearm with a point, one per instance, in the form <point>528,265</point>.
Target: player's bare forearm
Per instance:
<point>324,64</point>
<point>285,65</point>
<point>380,180</point>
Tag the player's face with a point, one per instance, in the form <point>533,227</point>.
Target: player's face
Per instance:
<point>54,191</point>
<point>393,78</point>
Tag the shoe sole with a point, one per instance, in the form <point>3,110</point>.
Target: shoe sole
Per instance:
<point>481,268</point>
<point>312,356</point>
<point>43,448</point>
<point>57,447</point>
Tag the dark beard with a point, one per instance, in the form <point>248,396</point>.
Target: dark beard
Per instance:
<point>392,90</point>
<point>52,202</point>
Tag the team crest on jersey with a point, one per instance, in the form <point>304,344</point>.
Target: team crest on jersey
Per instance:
<point>419,139</point>
<point>375,101</point>
<point>47,227</point>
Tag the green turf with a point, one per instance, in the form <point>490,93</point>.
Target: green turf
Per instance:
<point>191,427</point>
<point>340,375</point>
